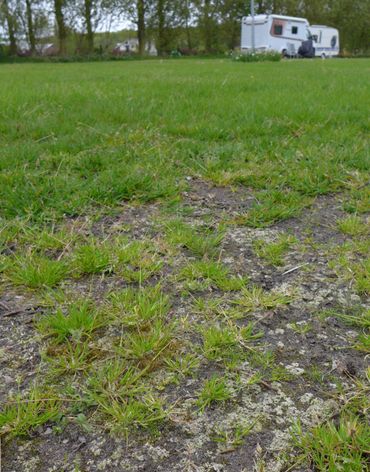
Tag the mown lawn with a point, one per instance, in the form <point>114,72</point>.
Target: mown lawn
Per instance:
<point>184,263</point>
<point>76,136</point>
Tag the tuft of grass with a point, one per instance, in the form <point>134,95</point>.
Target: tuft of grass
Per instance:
<point>35,271</point>
<point>273,206</point>
<point>138,307</point>
<point>353,226</point>
<point>214,390</point>
<point>150,345</point>
<point>201,275</point>
<point>72,358</point>
<point>202,242</point>
<point>256,298</point>
<point>137,261</point>
<point>331,447</point>
<point>228,342</point>
<point>93,258</point>
<point>81,319</point>
<point>184,365</point>
<point>273,252</point>
<point>23,415</point>
<point>358,201</point>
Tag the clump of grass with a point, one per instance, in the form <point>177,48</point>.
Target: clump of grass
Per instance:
<point>69,359</point>
<point>256,298</point>
<point>202,242</point>
<point>358,201</point>
<point>35,271</point>
<point>81,319</point>
<point>23,415</point>
<point>273,252</point>
<point>121,398</point>
<point>353,226</point>
<point>149,345</point>
<point>183,365</point>
<point>273,206</point>
<point>228,342</point>
<point>332,447</point>
<point>138,307</point>
<point>204,274</point>
<point>93,258</point>
<point>214,390</point>
<point>356,317</point>
<point>137,261</point>
<point>361,275</point>
<point>362,343</point>
<point>233,437</point>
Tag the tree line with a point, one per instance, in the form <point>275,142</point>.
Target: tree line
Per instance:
<point>208,26</point>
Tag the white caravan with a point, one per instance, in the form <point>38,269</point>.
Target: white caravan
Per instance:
<point>325,40</point>
<point>279,33</point>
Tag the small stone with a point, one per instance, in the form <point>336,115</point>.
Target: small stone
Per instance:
<point>48,431</point>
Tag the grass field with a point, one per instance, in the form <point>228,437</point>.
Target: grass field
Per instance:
<point>184,262</point>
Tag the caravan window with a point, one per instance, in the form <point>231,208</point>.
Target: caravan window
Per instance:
<point>278,30</point>
<point>333,41</point>
<point>294,29</point>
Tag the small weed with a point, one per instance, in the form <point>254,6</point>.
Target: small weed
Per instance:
<point>257,298</point>
<point>273,252</point>
<point>359,200</point>
<point>332,447</point>
<point>214,390</point>
<point>137,261</point>
<point>124,414</point>
<point>300,327</point>
<point>363,343</point>
<point>273,206</point>
<point>234,437</point>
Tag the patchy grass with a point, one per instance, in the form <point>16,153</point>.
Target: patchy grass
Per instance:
<point>256,298</point>
<point>133,225</point>
<point>331,447</point>
<point>201,275</point>
<point>274,252</point>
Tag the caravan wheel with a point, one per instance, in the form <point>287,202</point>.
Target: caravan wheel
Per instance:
<point>323,56</point>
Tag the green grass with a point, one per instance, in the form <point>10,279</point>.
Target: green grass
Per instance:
<point>214,390</point>
<point>64,150</point>
<point>35,271</point>
<point>273,252</point>
<point>81,140</point>
<point>201,275</point>
<point>331,447</point>
<point>81,319</point>
<point>24,415</point>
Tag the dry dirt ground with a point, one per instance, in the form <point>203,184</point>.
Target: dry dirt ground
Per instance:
<point>313,365</point>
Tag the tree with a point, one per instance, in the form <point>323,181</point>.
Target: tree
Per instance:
<point>10,24</point>
<point>61,26</point>
<point>30,27</point>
